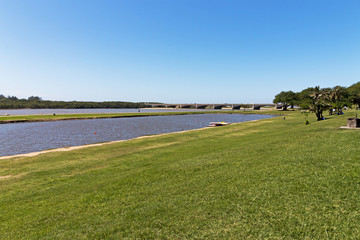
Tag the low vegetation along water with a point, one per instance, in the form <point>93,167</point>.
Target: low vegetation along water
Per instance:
<point>37,136</point>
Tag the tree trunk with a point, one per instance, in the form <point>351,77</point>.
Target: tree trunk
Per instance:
<point>318,113</point>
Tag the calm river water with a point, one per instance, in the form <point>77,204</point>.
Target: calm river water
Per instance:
<point>20,138</point>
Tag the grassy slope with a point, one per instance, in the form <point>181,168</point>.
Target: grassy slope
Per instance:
<point>272,178</point>
<point>40,118</point>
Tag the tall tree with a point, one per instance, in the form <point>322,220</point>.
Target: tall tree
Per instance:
<point>287,98</point>
<point>354,93</point>
<point>319,101</point>
<point>303,99</point>
<point>338,98</point>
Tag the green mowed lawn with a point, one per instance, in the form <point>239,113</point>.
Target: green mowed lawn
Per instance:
<point>273,178</point>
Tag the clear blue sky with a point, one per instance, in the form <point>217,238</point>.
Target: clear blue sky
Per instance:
<point>176,51</point>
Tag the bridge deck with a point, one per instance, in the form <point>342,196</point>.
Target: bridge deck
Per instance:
<point>218,106</point>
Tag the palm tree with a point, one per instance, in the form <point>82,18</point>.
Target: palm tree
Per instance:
<point>319,103</point>
<point>337,98</point>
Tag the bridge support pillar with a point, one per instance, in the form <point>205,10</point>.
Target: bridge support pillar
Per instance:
<point>258,107</point>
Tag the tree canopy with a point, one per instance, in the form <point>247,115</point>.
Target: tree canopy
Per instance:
<point>354,93</point>
<point>287,98</point>
<point>318,99</point>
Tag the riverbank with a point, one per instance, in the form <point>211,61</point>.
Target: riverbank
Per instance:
<point>273,178</point>
<point>39,136</point>
<point>62,117</point>
<point>65,149</point>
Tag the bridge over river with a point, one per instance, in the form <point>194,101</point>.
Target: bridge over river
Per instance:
<point>233,106</point>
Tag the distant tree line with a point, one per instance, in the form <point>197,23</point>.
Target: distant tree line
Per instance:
<point>35,102</point>
<point>319,100</point>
